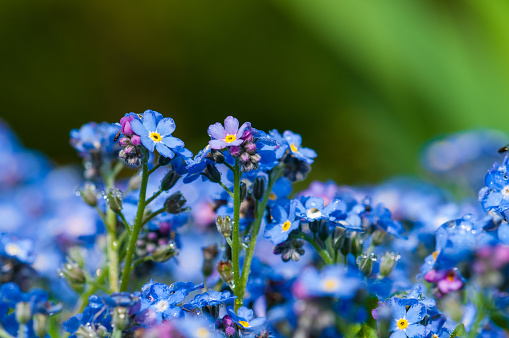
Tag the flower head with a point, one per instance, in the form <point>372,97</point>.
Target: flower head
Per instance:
<point>155,133</point>
<point>229,135</point>
<point>284,222</point>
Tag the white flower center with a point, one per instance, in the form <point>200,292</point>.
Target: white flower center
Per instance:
<point>12,249</point>
<point>505,191</point>
<point>313,213</point>
<point>162,305</point>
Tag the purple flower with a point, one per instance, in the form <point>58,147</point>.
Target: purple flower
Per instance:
<point>447,281</point>
<point>227,136</point>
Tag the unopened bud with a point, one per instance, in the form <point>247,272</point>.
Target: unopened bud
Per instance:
<point>120,317</point>
<point>175,203</point>
<point>164,252</point>
<point>218,156</point>
<point>259,188</point>
<point>169,180</point>
<point>74,276</point>
<point>377,237</point>
<point>163,161</point>
<point>209,254</point>
<point>250,148</point>
<point>23,312</point>
<point>40,324</point>
<point>243,191</point>
<point>115,199</point>
<point>355,244</point>
<point>314,226</point>
<point>366,261</point>
<point>235,151</point>
<point>89,194</point>
<point>388,263</point>
<point>344,245</point>
<point>225,271</point>
<point>76,255</point>
<point>224,225</point>
<point>323,232</point>
<point>212,173</point>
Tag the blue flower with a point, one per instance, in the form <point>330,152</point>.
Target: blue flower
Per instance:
<point>212,298</point>
<point>196,327</point>
<point>123,299</point>
<point>292,143</point>
<point>19,249</point>
<point>155,132</point>
<point>94,316</point>
<point>495,196</point>
<point>244,319</point>
<point>284,222</point>
<point>405,323</point>
<point>333,281</point>
<point>95,138</point>
<point>227,136</point>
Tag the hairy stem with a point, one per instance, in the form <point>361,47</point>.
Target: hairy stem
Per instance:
<point>236,235</point>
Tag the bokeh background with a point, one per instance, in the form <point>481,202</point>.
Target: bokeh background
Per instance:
<point>366,83</point>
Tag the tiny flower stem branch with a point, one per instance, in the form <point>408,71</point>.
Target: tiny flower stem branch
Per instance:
<point>157,166</point>
<point>124,221</point>
<point>323,253</point>
<point>229,166</point>
<point>236,235</point>
<point>83,301</point>
<point>260,211</point>
<point>154,196</point>
<point>141,261</point>
<point>138,223</point>
<point>227,190</point>
<point>152,215</point>
<point>330,247</point>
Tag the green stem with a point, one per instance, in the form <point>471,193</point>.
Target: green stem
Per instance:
<point>236,235</point>
<point>260,211</point>
<point>226,189</point>
<point>83,301</point>
<point>153,196</point>
<point>124,221</point>
<point>323,253</point>
<point>116,333</point>
<point>141,260</point>
<point>330,248</point>
<point>152,215</point>
<point>111,226</point>
<point>157,166</point>
<point>137,226</point>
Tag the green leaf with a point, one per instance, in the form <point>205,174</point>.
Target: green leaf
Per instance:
<point>458,331</point>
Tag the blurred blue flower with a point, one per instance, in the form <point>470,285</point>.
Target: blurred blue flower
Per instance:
<point>283,222</point>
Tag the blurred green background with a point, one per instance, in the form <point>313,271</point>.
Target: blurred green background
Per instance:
<point>366,83</point>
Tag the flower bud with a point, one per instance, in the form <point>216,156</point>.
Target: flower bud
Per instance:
<point>76,255</point>
<point>244,157</point>
<point>175,203</point>
<point>40,324</point>
<point>323,231</point>
<point>115,199</point>
<point>250,148</point>
<point>89,194</point>
<point>169,180</point>
<point>212,173</point>
<point>74,276</point>
<point>314,226</point>
<point>120,317</point>
<point>388,263</point>
<point>377,237</point>
<point>344,245</point>
<point>366,261</point>
<point>235,151</point>
<point>224,225</point>
<point>243,191</point>
<point>355,244</point>
<point>163,161</point>
<point>218,156</point>
<point>164,252</point>
<point>259,188</point>
<point>209,254</point>
<point>23,312</point>
<point>225,271</point>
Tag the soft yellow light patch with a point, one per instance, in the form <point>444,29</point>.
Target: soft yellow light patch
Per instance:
<point>434,336</point>
<point>293,147</point>
<point>435,254</point>
<point>202,333</point>
<point>155,136</point>
<point>272,196</point>
<point>402,323</point>
<point>230,138</point>
<point>244,323</point>
<point>330,284</point>
<point>286,225</point>
<point>11,249</point>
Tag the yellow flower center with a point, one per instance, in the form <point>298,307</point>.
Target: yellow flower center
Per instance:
<point>155,136</point>
<point>244,323</point>
<point>12,249</point>
<point>434,336</point>
<point>435,255</point>
<point>202,333</point>
<point>293,147</point>
<point>330,284</point>
<point>286,225</point>
<point>402,323</point>
<point>450,276</point>
<point>230,138</point>
<point>272,196</point>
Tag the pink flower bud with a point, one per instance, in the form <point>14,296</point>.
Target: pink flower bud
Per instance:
<point>136,140</point>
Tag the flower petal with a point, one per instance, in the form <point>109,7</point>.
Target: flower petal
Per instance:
<point>415,330</point>
<point>231,125</point>
<point>216,131</point>
<point>415,313</point>
<point>164,150</point>
<point>217,144</point>
<point>147,142</point>
<point>172,142</point>
<point>243,128</point>
<point>166,126</point>
<point>149,120</point>
<point>139,128</point>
